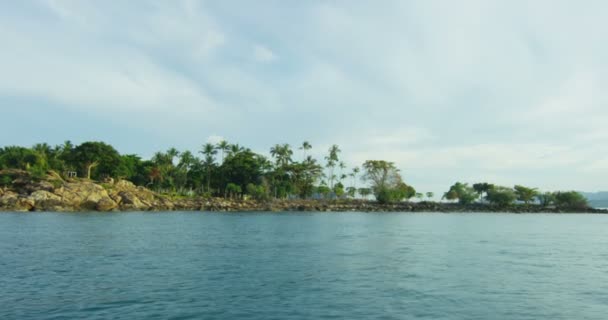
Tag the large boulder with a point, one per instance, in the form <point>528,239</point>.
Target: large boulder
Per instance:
<point>106,204</point>
<point>84,195</point>
<point>47,201</point>
<point>8,199</point>
<point>129,201</point>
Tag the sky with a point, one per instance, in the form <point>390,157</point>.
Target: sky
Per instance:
<point>504,91</point>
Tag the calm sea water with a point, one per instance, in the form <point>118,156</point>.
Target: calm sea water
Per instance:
<point>303,266</point>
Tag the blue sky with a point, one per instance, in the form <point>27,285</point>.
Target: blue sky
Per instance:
<point>506,91</point>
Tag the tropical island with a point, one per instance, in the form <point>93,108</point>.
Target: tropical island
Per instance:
<point>93,176</point>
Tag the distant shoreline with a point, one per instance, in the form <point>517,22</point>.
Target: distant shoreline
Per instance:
<point>54,194</point>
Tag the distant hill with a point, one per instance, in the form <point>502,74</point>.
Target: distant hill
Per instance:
<point>597,199</point>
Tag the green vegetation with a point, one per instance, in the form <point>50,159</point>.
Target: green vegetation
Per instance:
<point>232,171</point>
<point>462,192</point>
<point>504,196</point>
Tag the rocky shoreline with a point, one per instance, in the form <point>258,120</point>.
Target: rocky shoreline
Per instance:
<point>52,193</point>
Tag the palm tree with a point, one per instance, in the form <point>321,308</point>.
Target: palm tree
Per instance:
<point>305,147</point>
<point>332,160</point>
<point>353,175</point>
<point>209,152</point>
<point>186,161</point>
<point>223,146</point>
<point>172,153</point>
<point>282,153</point>
<point>234,149</point>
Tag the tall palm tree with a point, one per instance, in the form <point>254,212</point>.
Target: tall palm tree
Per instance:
<point>223,146</point>
<point>282,154</point>
<point>234,149</point>
<point>186,162</point>
<point>172,153</point>
<point>305,147</point>
<point>353,175</point>
<point>209,152</point>
<point>332,159</point>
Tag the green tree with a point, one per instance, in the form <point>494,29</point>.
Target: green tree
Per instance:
<point>20,158</point>
<point>223,147</point>
<point>365,192</point>
<point>546,198</point>
<point>332,160</point>
<point>430,195</point>
<point>525,194</point>
<point>501,196</point>
<point>305,147</point>
<point>462,192</point>
<point>570,199</point>
<point>96,155</point>
<point>386,182</point>
<point>243,168</point>
<point>209,153</point>
<point>482,188</point>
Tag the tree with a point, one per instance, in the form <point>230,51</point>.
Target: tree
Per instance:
<point>525,194</point>
<point>99,155</point>
<point>20,158</point>
<point>365,192</point>
<point>461,192</point>
<point>419,196</point>
<point>482,188</point>
<point>430,195</point>
<point>233,190</point>
<point>332,160</point>
<point>129,167</point>
<point>223,146</point>
<point>209,152</point>
<point>305,147</point>
<point>386,182</point>
<point>501,196</point>
<point>546,199</point>
<point>186,162</point>
<point>381,174</point>
<point>243,168</point>
<point>570,199</point>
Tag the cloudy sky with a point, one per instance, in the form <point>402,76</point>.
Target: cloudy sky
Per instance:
<point>511,91</point>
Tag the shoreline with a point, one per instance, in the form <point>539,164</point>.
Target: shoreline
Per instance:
<point>53,194</point>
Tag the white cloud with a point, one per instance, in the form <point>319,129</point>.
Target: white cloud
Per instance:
<point>475,88</point>
<point>215,139</point>
<point>263,54</point>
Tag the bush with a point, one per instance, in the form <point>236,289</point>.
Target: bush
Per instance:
<point>257,192</point>
<point>5,180</point>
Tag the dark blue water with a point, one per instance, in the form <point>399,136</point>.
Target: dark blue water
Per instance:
<point>303,266</point>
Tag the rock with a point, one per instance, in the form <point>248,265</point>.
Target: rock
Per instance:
<point>8,199</point>
<point>23,205</point>
<point>124,185</point>
<point>130,201</point>
<point>47,201</point>
<point>84,195</point>
<point>43,195</point>
<point>106,204</point>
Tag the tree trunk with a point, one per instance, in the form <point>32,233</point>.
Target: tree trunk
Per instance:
<point>90,166</point>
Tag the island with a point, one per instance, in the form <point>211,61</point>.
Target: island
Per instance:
<point>93,176</point>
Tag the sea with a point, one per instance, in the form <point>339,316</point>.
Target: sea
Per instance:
<point>202,265</point>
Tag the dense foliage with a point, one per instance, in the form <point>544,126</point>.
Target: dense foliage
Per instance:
<point>222,169</point>
<point>230,170</point>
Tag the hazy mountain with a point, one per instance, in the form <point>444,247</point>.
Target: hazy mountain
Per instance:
<point>597,199</point>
